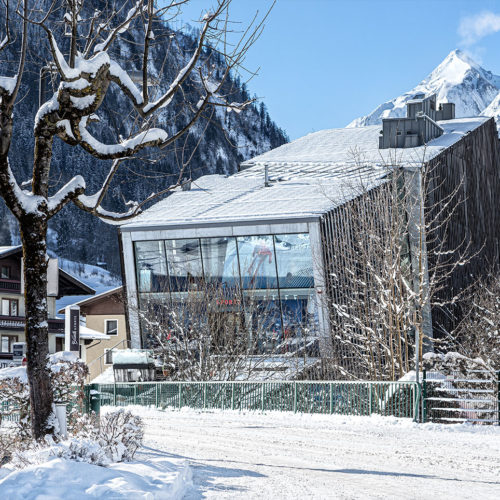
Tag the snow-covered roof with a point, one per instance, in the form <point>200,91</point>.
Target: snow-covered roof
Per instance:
<point>6,251</point>
<point>309,176</point>
<point>329,148</point>
<point>94,299</point>
<point>88,334</point>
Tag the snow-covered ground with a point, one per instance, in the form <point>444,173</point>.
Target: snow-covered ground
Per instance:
<point>213,454</point>
<point>286,455</point>
<point>62,479</point>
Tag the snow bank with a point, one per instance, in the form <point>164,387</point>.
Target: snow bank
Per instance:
<point>156,478</point>
<point>14,372</point>
<point>106,377</point>
<point>131,356</point>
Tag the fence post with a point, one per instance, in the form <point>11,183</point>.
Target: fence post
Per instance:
<point>295,397</point>
<point>94,396</point>
<point>424,396</point>
<point>114,394</point>
<point>156,394</point>
<point>232,395</point>
<point>135,394</point>
<point>331,398</point>
<point>180,395</point>
<point>204,395</point>
<point>369,398</point>
<point>498,397</point>
<point>262,402</point>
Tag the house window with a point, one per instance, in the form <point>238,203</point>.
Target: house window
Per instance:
<point>111,327</point>
<point>59,344</point>
<point>5,273</point>
<point>10,307</point>
<point>6,343</point>
<point>108,358</point>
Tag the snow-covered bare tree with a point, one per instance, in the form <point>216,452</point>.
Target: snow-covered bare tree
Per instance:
<point>79,36</point>
<point>392,266</point>
<point>478,333</point>
<point>214,333</point>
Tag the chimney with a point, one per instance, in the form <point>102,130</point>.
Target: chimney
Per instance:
<point>266,176</point>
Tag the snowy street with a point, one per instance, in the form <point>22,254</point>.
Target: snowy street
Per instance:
<point>284,455</point>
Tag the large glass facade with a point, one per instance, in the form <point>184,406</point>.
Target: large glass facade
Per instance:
<point>261,286</point>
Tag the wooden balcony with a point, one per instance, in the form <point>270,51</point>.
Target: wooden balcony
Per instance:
<point>18,322</point>
<point>10,286</point>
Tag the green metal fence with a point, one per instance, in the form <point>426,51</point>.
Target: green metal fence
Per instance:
<point>398,399</point>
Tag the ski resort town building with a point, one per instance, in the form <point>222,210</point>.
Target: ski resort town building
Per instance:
<point>12,321</point>
<point>271,236</point>
<point>103,313</point>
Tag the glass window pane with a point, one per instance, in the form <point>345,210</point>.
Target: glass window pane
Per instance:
<point>263,320</point>
<point>220,261</point>
<point>294,260</point>
<point>111,327</point>
<point>13,307</point>
<point>5,307</point>
<point>151,266</point>
<point>300,321</point>
<point>258,269</point>
<point>184,264</point>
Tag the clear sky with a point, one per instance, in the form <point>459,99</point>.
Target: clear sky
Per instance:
<point>325,62</point>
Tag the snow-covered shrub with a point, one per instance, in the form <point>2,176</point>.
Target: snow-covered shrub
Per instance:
<point>7,447</point>
<point>115,439</point>
<point>120,434</point>
<point>452,362</point>
<point>14,399</point>
<point>478,334</point>
<point>67,374</point>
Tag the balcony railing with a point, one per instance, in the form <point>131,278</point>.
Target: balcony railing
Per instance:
<point>18,322</point>
<point>12,286</point>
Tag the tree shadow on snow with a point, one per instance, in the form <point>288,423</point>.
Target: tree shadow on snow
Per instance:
<point>205,477</point>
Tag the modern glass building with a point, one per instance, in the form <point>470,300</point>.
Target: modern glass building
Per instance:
<point>263,284</point>
<point>257,245</point>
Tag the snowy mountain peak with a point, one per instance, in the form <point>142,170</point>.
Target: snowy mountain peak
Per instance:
<point>458,79</point>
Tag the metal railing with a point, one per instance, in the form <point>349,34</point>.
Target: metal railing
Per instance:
<point>398,399</point>
<point>124,343</point>
<point>472,397</point>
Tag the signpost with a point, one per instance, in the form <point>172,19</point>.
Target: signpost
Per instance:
<point>72,328</point>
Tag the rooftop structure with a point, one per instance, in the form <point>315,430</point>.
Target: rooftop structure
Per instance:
<point>419,127</point>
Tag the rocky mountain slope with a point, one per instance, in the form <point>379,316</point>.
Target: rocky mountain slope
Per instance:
<point>458,79</point>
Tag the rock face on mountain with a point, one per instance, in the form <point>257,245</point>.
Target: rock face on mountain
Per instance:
<point>457,79</point>
<point>218,143</point>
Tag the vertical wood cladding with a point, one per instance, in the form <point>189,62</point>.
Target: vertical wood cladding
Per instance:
<point>464,185</point>
<point>473,167</point>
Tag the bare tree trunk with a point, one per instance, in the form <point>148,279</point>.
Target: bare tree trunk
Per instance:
<point>34,238</point>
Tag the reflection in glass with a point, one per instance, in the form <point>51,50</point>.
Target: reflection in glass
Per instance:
<point>151,266</point>
<point>197,283</point>
<point>300,320</point>
<point>220,261</point>
<point>258,269</point>
<point>263,320</point>
<point>184,264</point>
<point>294,261</point>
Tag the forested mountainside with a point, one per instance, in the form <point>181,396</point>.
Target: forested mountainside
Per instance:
<point>458,79</point>
<point>216,144</point>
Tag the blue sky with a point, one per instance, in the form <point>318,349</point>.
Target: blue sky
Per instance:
<point>325,62</point>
